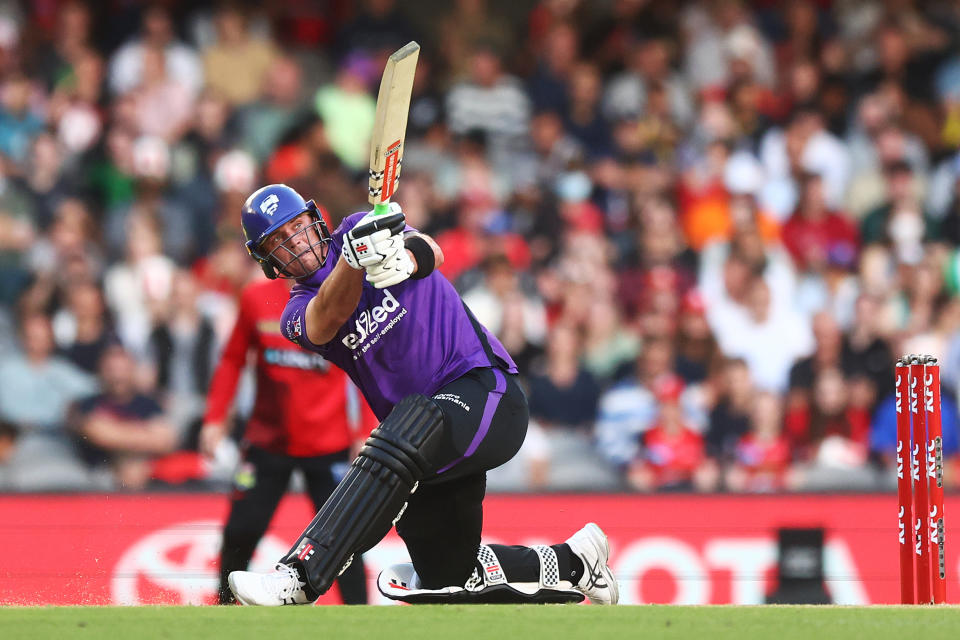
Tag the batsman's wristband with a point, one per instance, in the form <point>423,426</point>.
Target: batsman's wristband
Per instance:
<point>422,253</point>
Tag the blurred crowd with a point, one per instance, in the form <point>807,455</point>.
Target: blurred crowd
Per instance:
<point>705,229</point>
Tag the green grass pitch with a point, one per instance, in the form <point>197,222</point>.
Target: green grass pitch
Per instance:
<point>474,622</point>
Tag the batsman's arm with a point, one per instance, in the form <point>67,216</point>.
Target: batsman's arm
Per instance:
<point>431,243</point>
<point>335,301</point>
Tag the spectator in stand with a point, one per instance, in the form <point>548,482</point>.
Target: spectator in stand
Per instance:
<point>67,256</point>
<point>468,175</point>
<point>347,110</point>
<point>163,104</point>
<point>490,101</point>
<point>805,145</point>
<point>236,66</point>
<point>657,257</point>
<point>814,233</point>
<point>900,220</point>
<point>547,85</point>
<point>866,352</point>
<point>75,106</point>
<point>727,272</point>
<point>762,456</point>
<point>834,431</point>
<point>563,394</point>
<point>610,347</point>
<point>19,122</point>
<point>136,287</point>
<point>673,455</point>
<point>516,318</point>
<point>827,354</point>
<point>121,428</point>
<point>184,232</point>
<point>127,68</point>
<point>306,415</point>
<point>47,180</point>
<point>556,151</point>
<point>648,66</point>
<point>696,347</point>
<point>82,328</point>
<point>629,408</point>
<point>266,121</point>
<point>730,416</point>
<point>36,389</point>
<point>480,234</point>
<point>722,41</point>
<point>468,25</point>
<point>181,351</point>
<point>69,40</point>
<point>584,118</point>
<point>378,26</point>
<point>769,339</point>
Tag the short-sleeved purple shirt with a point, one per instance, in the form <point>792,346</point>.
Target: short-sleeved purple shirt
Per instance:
<point>413,337</point>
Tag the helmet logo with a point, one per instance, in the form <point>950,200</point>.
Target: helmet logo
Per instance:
<point>270,204</point>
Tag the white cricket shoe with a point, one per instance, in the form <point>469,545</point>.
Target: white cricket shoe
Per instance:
<point>598,583</point>
<point>279,587</point>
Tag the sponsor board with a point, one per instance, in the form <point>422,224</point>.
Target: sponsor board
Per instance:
<point>162,549</point>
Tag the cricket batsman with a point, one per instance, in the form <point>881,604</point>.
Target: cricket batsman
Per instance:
<point>368,298</point>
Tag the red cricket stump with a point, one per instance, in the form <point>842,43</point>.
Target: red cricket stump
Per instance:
<point>920,494</point>
<point>920,497</point>
<point>931,390</point>
<point>904,498</point>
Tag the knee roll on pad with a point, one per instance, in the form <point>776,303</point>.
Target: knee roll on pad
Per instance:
<point>408,439</point>
<point>372,494</point>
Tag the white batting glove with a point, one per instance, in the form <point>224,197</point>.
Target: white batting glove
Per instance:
<point>361,251</point>
<point>394,270</point>
<point>360,243</point>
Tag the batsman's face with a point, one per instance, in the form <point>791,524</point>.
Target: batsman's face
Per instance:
<point>296,248</point>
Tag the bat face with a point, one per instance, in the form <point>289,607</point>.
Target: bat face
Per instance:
<point>390,124</point>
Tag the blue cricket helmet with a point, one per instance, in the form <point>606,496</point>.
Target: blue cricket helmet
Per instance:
<point>267,210</point>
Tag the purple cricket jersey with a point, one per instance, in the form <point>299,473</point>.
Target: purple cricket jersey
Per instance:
<point>413,337</point>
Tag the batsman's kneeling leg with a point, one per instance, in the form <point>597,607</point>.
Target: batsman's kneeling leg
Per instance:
<point>487,585</point>
<point>372,495</point>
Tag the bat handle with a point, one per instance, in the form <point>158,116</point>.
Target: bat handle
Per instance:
<point>381,208</point>
<point>395,222</point>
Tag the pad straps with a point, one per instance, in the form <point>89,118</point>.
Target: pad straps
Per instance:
<point>549,568</point>
<point>490,572</point>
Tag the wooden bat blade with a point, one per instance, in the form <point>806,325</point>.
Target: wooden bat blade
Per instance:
<point>390,123</point>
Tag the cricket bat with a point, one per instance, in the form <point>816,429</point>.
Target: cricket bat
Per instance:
<point>390,125</point>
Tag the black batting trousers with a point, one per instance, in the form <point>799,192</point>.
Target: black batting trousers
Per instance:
<point>485,421</point>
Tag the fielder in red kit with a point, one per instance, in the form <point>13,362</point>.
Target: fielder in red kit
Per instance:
<point>306,416</point>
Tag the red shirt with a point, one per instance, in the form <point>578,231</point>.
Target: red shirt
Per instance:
<point>853,424</point>
<point>304,405</point>
<point>673,457</point>
<point>464,250</point>
<point>833,236</point>
<point>764,461</point>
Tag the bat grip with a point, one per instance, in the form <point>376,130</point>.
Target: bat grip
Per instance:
<point>395,222</point>
<point>381,208</point>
